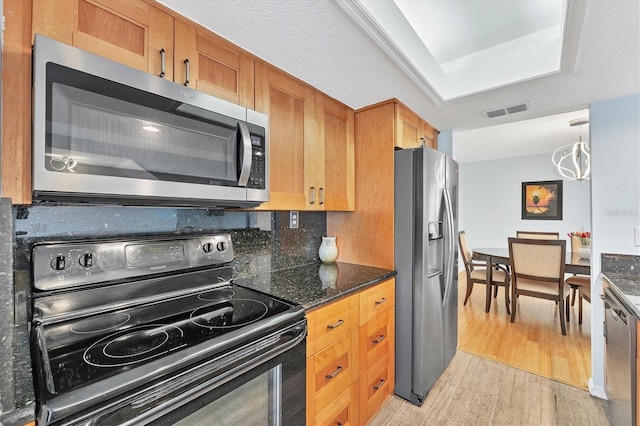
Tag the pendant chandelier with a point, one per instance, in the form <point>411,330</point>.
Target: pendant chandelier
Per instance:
<point>573,161</point>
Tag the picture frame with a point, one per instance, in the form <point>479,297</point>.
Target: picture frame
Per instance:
<point>542,200</point>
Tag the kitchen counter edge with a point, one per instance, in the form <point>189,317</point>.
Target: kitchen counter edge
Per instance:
<point>626,288</point>
<point>316,284</point>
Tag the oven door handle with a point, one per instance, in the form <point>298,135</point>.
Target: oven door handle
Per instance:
<point>285,341</point>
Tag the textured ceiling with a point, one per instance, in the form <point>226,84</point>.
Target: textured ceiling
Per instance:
<point>318,42</point>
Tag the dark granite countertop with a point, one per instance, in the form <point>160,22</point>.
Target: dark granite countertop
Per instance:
<point>622,274</point>
<point>314,284</point>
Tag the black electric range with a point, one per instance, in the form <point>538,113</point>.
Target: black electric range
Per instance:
<point>112,319</point>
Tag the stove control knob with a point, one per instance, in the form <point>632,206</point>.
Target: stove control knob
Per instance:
<point>86,260</point>
<point>58,263</point>
<point>221,246</point>
<point>207,247</point>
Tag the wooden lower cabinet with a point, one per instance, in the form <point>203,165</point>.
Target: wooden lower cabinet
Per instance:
<point>343,410</point>
<point>350,357</point>
<point>375,386</point>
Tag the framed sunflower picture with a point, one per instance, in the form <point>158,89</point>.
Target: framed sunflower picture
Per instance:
<point>542,200</point>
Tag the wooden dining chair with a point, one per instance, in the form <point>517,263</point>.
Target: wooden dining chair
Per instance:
<point>584,292</point>
<point>580,284</point>
<point>538,235</point>
<point>477,273</point>
<point>537,270</point>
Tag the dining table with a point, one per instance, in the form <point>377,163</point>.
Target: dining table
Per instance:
<point>574,264</point>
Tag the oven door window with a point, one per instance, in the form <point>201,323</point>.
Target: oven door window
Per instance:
<point>257,402</point>
<point>98,127</point>
<point>271,394</point>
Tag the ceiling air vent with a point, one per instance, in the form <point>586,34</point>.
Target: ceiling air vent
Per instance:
<point>507,110</point>
<point>496,113</point>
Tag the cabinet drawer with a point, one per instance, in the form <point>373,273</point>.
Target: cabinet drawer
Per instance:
<point>341,411</point>
<point>376,300</point>
<point>331,322</point>
<point>333,371</point>
<point>376,339</point>
<point>375,387</point>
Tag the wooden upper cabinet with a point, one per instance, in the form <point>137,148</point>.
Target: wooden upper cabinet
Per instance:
<point>212,65</point>
<point>428,135</point>
<point>411,130</point>
<point>130,32</point>
<point>335,158</point>
<point>407,127</point>
<point>290,105</point>
<point>311,144</point>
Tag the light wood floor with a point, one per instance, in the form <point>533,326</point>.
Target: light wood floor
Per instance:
<point>506,373</point>
<point>533,342</point>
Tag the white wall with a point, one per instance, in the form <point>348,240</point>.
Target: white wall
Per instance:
<point>608,204</point>
<point>615,195</point>
<point>491,200</point>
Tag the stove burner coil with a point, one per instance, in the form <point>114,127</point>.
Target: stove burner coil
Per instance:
<point>100,323</point>
<point>133,345</point>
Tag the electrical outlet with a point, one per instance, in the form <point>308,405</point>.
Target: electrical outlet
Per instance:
<point>293,219</point>
<point>636,236</point>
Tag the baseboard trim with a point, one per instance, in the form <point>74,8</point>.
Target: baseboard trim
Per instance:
<point>597,391</point>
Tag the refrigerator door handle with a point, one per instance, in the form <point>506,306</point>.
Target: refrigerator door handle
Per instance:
<point>451,246</point>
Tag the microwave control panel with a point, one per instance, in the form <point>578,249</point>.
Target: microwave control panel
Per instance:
<point>257,178</point>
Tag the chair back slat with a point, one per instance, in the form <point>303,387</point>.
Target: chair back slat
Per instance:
<point>538,235</point>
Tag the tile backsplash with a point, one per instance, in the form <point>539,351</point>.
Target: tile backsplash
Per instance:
<point>254,233</point>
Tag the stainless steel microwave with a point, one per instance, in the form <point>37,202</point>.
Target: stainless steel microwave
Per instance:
<point>105,132</point>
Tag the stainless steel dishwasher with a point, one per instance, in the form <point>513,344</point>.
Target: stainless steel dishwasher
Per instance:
<point>620,359</point>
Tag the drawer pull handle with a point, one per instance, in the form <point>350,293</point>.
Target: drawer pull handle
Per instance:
<point>379,339</point>
<point>334,374</point>
<point>379,385</point>
<point>332,326</point>
<point>312,195</point>
<point>381,301</point>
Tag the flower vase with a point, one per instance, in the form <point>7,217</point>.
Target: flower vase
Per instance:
<point>328,251</point>
<point>584,252</point>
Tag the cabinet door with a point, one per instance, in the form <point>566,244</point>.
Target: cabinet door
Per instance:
<point>407,128</point>
<point>290,105</point>
<point>121,30</point>
<point>333,370</point>
<point>428,135</point>
<point>375,387</point>
<point>212,65</point>
<point>335,160</point>
<point>376,300</point>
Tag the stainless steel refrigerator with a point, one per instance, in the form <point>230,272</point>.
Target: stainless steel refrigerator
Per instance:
<point>426,256</point>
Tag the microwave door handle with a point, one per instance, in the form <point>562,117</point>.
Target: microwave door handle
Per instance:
<point>245,165</point>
